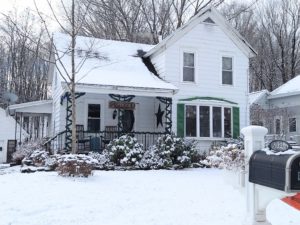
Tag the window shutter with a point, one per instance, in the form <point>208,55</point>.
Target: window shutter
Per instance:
<point>236,122</point>
<point>180,120</point>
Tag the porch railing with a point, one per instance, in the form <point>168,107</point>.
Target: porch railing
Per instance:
<point>97,141</point>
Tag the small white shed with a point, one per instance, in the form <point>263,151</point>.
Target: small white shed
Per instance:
<point>7,132</point>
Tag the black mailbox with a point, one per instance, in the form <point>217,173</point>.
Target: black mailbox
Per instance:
<point>281,172</point>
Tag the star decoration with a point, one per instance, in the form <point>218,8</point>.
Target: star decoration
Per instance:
<point>159,116</point>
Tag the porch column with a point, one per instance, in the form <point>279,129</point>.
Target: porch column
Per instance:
<point>168,115</point>
<point>68,140</point>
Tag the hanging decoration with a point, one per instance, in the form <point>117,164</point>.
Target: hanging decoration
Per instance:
<point>159,116</point>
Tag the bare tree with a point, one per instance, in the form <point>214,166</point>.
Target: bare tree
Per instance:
<point>23,71</point>
<point>70,22</point>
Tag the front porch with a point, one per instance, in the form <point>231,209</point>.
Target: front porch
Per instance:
<point>102,117</point>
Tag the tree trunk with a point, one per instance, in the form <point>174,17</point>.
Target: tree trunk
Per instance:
<point>73,37</point>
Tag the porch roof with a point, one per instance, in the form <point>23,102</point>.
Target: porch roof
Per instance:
<point>35,107</point>
<point>112,66</point>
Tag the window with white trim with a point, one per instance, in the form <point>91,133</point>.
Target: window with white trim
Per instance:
<point>292,125</point>
<point>227,70</point>
<point>217,122</point>
<point>208,121</point>
<point>190,121</point>
<point>227,123</point>
<point>204,122</point>
<point>94,117</point>
<point>188,73</point>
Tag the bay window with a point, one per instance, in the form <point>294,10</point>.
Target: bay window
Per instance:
<point>208,121</point>
<point>190,121</point>
<point>204,125</point>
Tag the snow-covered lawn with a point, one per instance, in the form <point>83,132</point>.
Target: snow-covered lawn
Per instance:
<point>187,197</point>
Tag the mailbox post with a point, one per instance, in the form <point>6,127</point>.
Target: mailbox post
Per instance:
<point>270,176</point>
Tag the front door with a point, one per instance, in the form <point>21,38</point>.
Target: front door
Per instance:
<point>127,120</point>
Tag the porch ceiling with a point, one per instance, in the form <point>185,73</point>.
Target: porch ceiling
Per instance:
<point>126,90</point>
<point>35,107</point>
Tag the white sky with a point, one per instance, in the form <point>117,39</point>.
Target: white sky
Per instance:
<point>20,5</point>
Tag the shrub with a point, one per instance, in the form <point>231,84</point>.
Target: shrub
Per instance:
<point>103,159</point>
<point>75,165</point>
<point>155,159</point>
<point>170,151</point>
<point>25,150</point>
<point>230,157</point>
<point>125,151</point>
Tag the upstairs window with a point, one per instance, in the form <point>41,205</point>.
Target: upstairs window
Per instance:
<point>292,125</point>
<point>227,72</point>
<point>188,67</point>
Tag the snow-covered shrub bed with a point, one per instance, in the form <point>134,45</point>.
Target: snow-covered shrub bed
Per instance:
<point>39,160</point>
<point>170,152</point>
<point>75,165</point>
<point>103,158</point>
<point>125,151</point>
<point>230,157</point>
<point>25,150</point>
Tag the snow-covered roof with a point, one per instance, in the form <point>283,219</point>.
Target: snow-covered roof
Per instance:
<point>36,107</point>
<point>292,87</point>
<point>109,63</point>
<point>254,97</point>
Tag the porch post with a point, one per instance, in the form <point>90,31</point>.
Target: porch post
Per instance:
<point>168,115</point>
<point>68,140</point>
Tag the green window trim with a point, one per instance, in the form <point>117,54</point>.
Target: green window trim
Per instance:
<point>236,122</point>
<point>180,119</point>
<point>209,99</point>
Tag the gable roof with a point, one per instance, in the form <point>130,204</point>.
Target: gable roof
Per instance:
<point>292,87</point>
<point>212,13</point>
<point>109,63</point>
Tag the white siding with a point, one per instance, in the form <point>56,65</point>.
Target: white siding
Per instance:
<point>7,132</point>
<point>57,92</point>
<point>209,43</point>
<point>159,64</point>
<point>145,119</point>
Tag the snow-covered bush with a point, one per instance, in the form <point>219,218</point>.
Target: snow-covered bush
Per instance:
<point>156,159</point>
<point>125,151</point>
<point>170,151</point>
<point>25,150</point>
<point>229,157</point>
<point>75,165</point>
<point>103,159</point>
<point>40,159</point>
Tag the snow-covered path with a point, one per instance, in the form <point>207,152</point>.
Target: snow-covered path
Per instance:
<point>187,197</point>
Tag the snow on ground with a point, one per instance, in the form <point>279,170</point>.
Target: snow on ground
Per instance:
<point>187,197</point>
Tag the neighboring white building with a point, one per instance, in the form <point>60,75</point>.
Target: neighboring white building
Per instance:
<point>281,109</point>
<point>8,136</point>
<point>197,78</point>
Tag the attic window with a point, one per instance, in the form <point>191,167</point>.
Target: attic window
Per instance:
<point>209,20</point>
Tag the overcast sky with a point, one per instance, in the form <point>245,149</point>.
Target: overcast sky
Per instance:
<point>20,5</point>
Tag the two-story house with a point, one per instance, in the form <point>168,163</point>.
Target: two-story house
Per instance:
<point>194,83</point>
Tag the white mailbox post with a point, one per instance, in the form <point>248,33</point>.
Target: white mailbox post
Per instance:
<point>257,196</point>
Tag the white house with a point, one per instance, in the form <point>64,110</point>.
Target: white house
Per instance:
<point>194,83</point>
<point>280,109</point>
<point>8,136</point>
